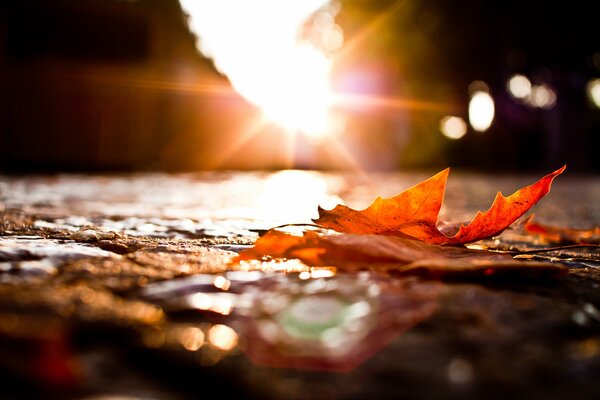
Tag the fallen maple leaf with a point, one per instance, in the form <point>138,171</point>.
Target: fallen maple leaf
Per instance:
<point>403,255</point>
<point>557,235</point>
<point>414,213</point>
<point>401,234</point>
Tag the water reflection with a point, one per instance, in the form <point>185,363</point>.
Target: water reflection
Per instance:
<point>207,341</point>
<point>221,303</point>
<point>176,206</point>
<point>313,319</point>
<point>222,337</point>
<point>292,195</point>
<point>319,318</point>
<point>192,338</point>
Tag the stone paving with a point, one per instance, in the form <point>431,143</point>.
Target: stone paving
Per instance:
<point>120,285</point>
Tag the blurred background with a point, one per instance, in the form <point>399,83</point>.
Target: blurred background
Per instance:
<point>144,85</point>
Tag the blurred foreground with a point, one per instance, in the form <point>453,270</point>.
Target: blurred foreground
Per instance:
<point>119,285</point>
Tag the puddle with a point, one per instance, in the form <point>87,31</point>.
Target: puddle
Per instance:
<point>36,255</point>
<point>294,321</point>
<point>184,228</point>
<point>257,198</point>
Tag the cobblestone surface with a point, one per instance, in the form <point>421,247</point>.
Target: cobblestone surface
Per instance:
<point>120,285</point>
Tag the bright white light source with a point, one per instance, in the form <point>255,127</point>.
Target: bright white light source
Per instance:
<point>332,38</point>
<point>593,90</point>
<point>288,196</point>
<point>453,127</point>
<point>519,87</point>
<point>542,96</point>
<point>481,110</point>
<point>257,45</point>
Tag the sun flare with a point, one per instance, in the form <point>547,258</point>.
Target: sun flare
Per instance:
<point>275,53</point>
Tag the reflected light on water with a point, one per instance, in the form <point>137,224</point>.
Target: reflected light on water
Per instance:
<point>519,87</point>
<point>221,282</point>
<point>286,266</point>
<point>304,275</point>
<point>222,337</point>
<point>192,338</point>
<point>453,127</point>
<point>292,196</point>
<point>260,46</point>
<point>219,303</point>
<point>317,273</point>
<point>481,107</point>
<point>593,91</point>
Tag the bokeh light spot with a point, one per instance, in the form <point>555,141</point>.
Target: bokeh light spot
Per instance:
<point>222,337</point>
<point>543,96</point>
<point>593,91</point>
<point>481,107</point>
<point>261,48</point>
<point>453,127</point>
<point>519,86</point>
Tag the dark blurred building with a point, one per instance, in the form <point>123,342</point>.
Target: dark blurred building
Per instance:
<point>119,85</point>
<point>107,85</point>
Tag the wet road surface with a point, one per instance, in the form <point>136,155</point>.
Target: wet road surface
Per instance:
<point>119,285</point>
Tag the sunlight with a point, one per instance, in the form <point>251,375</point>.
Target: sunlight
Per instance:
<point>371,28</point>
<point>365,101</point>
<point>299,97</point>
<point>291,195</point>
<point>260,47</point>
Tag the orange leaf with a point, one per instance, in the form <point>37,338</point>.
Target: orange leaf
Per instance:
<point>414,213</point>
<point>351,251</point>
<point>555,234</point>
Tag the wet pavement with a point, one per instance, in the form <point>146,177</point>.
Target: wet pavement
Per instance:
<point>119,286</point>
